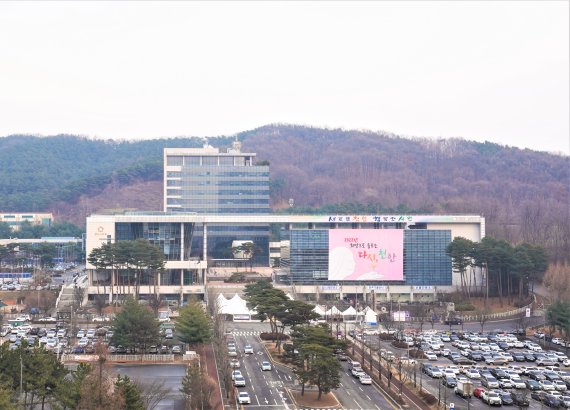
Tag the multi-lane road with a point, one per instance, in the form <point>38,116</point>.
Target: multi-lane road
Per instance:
<point>267,388</point>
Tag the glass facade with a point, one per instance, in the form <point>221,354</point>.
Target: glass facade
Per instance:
<point>425,260</point>
<point>217,184</point>
<point>167,236</point>
<point>220,183</point>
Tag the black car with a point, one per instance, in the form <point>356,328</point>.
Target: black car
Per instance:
<point>532,385</point>
<point>503,345</point>
<point>449,382</point>
<point>538,395</point>
<point>34,331</point>
<point>78,350</point>
<point>529,357</point>
<point>518,357</point>
<point>520,400</point>
<point>535,375</point>
<point>454,321</point>
<point>500,374</point>
<point>506,398</point>
<point>551,401</point>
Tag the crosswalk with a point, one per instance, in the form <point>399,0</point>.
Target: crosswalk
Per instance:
<point>246,333</point>
<point>251,333</point>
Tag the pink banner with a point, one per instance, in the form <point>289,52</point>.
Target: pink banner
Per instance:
<point>366,254</point>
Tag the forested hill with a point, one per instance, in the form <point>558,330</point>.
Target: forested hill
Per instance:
<point>523,194</point>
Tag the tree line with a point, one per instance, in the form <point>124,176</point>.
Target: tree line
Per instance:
<point>505,270</point>
<point>130,263</point>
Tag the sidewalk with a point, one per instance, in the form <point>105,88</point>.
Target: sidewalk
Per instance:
<point>208,362</point>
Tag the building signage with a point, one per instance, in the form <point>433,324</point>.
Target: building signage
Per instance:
<point>371,218</point>
<point>366,254</point>
<point>423,287</point>
<point>377,288</point>
<point>330,287</point>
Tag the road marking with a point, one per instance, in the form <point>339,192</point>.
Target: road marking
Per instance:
<point>360,388</point>
<point>369,397</point>
<point>378,407</point>
<point>348,392</point>
<point>279,376</point>
<point>259,404</point>
<point>358,404</point>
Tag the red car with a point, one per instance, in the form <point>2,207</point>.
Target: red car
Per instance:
<point>478,392</point>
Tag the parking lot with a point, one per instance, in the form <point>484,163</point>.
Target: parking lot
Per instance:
<point>501,367</point>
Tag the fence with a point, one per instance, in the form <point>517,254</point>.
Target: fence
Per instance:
<point>158,358</point>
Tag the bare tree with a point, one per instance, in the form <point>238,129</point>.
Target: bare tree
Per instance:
<point>78,295</point>
<point>152,393</point>
<point>482,317</point>
<point>100,302</point>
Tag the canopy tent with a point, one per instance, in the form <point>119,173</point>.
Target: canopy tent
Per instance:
<point>370,318</point>
<point>236,307</point>
<point>349,315</point>
<point>333,312</point>
<point>319,310</point>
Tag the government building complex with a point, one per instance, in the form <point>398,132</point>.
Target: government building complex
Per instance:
<point>214,201</point>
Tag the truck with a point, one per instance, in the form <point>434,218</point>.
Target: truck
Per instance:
<point>464,388</point>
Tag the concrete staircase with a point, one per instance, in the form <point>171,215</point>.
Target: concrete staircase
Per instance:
<point>65,298</point>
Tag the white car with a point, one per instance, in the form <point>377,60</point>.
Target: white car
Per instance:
<point>101,319</point>
<point>365,379</point>
<point>518,383</point>
<point>472,374</point>
<point>430,355</point>
<point>566,362</point>
<point>248,349</point>
<point>236,373</point>
<point>559,385</point>
<point>90,333</point>
<point>547,385</point>
<point>243,398</point>
<point>51,343</point>
<point>83,342</point>
<point>234,364</point>
<point>81,334</point>
<point>265,366</point>
<point>239,381</point>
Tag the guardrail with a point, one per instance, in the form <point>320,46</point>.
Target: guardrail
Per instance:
<point>500,315</point>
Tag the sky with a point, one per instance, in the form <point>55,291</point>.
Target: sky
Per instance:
<point>484,70</point>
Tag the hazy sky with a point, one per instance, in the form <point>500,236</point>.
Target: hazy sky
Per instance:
<point>484,70</point>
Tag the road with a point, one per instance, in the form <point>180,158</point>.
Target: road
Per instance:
<point>353,395</point>
<point>267,388</point>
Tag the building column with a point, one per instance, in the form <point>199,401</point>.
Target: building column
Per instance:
<point>182,241</point>
<point>411,293</point>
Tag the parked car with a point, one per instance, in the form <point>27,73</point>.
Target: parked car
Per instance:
<point>520,400</point>
<point>492,398</point>
<point>478,392</point>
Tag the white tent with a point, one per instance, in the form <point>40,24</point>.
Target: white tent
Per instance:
<point>332,312</point>
<point>349,315</point>
<point>319,310</point>
<point>236,307</point>
<point>370,318</point>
